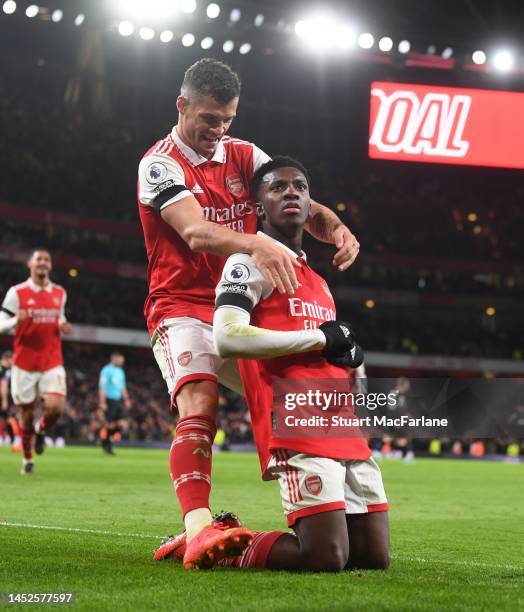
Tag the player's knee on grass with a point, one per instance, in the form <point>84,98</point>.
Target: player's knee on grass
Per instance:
<point>378,559</point>
<point>368,541</point>
<point>323,541</point>
<point>330,557</point>
<point>197,398</point>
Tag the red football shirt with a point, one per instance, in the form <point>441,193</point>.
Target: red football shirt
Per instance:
<point>37,343</point>
<point>307,308</point>
<point>182,283</point>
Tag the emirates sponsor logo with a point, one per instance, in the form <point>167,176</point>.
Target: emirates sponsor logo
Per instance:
<point>301,308</point>
<point>432,124</point>
<point>229,213</point>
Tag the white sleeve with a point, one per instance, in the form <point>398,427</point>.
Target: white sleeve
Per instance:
<point>9,310</point>
<point>241,288</point>
<point>161,181</point>
<point>259,158</point>
<point>242,284</point>
<point>62,317</point>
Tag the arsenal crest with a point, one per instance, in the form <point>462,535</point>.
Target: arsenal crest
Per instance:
<point>324,286</point>
<point>185,358</point>
<point>314,484</point>
<point>235,185</point>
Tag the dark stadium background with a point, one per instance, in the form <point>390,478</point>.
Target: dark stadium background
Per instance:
<point>80,106</point>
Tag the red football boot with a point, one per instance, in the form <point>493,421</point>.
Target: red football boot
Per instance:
<point>214,543</point>
<point>174,547</point>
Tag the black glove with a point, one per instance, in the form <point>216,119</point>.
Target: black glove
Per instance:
<point>339,338</point>
<point>350,359</point>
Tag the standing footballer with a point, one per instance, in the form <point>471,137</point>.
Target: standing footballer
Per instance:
<point>35,309</point>
<point>196,208</point>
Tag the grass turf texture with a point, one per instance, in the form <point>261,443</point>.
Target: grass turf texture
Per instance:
<point>456,535</point>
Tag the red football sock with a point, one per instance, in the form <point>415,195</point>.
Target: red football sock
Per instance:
<point>27,442</point>
<point>190,461</point>
<point>257,552</point>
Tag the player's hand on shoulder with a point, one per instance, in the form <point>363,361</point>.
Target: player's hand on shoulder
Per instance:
<point>347,247</point>
<point>276,264</point>
<point>66,328</point>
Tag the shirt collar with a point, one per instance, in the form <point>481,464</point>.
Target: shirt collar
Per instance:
<point>195,158</point>
<point>302,255</point>
<point>36,287</point>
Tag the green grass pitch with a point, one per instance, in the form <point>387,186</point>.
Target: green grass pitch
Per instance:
<point>456,535</point>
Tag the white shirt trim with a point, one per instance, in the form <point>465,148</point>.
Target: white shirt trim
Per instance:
<point>192,156</point>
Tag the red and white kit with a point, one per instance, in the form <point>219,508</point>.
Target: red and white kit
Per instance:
<point>315,474</point>
<point>37,361</point>
<point>179,307</point>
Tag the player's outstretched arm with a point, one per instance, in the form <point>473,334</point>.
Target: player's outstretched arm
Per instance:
<point>325,226</point>
<point>234,336</point>
<point>187,218</point>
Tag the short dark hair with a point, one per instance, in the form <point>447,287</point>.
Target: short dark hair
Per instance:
<point>209,77</point>
<point>116,354</point>
<point>38,249</point>
<point>279,161</point>
<point>7,355</point>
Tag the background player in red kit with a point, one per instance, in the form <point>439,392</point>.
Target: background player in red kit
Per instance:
<point>36,310</point>
<point>331,489</point>
<point>195,208</point>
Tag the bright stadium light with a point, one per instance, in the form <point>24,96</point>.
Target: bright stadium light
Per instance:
<point>235,15</point>
<point>188,6</point>
<point>503,61</point>
<point>57,15</point>
<point>31,11</point>
<point>479,58</point>
<point>303,28</point>
<point>323,32</point>
<point>207,42</point>
<point>344,37</point>
<point>79,19</point>
<point>245,49</point>
<point>447,53</point>
<point>146,33</point>
<point>366,40</point>
<point>166,36</point>
<point>259,20</point>
<point>228,46</point>
<point>9,7</point>
<point>385,44</point>
<point>188,40</point>
<point>404,46</point>
<point>126,28</point>
<point>213,10</point>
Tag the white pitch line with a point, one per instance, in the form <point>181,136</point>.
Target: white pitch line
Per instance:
<point>151,537</point>
<point>455,562</point>
<point>80,530</point>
